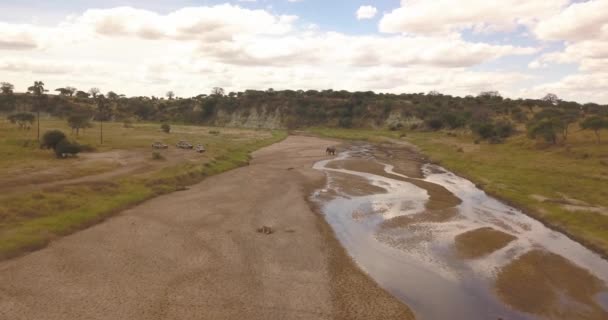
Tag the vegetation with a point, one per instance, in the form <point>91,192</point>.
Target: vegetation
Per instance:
<point>23,119</point>
<point>165,127</point>
<point>31,216</point>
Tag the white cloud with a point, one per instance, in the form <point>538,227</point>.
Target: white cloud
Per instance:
<point>215,23</point>
<point>143,52</point>
<point>580,21</point>
<point>447,16</point>
<point>366,12</point>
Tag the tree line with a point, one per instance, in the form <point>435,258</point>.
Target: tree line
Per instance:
<point>489,115</point>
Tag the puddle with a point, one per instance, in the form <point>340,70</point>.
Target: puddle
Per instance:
<point>451,259</point>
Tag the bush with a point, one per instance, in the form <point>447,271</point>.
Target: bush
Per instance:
<point>157,156</point>
<point>51,139</point>
<point>504,129</point>
<point>66,148</point>
<point>395,127</point>
<point>165,127</point>
<point>434,124</point>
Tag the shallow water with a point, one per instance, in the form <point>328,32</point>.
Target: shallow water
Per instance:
<point>418,263</point>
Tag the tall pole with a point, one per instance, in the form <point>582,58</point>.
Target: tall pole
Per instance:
<point>38,116</point>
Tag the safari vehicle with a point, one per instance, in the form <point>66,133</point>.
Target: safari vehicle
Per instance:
<point>184,145</point>
<point>200,148</point>
<point>159,145</point>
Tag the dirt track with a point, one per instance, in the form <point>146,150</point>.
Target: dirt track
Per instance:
<point>196,255</point>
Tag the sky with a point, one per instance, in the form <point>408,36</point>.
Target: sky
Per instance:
<point>521,48</point>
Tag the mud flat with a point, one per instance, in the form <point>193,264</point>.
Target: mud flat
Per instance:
<point>449,250</point>
<point>196,254</point>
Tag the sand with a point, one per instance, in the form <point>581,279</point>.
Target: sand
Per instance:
<point>196,255</point>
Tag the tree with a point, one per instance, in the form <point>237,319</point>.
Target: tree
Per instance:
<point>165,127</point>
<point>71,90</point>
<point>103,112</point>
<point>38,91</point>
<point>7,97</point>
<point>7,88</point>
<point>170,95</point>
<point>82,94</point>
<point>23,119</point>
<point>218,92</point>
<point>63,91</point>
<point>112,95</point>
<point>79,121</point>
<point>489,94</point>
<point>595,123</point>
<point>546,129</point>
<point>51,139</point>
<point>551,98</point>
<point>94,92</point>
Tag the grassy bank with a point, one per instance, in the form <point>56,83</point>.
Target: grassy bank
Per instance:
<point>29,220</point>
<point>566,187</point>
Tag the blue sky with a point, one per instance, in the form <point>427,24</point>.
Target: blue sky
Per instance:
<point>521,48</point>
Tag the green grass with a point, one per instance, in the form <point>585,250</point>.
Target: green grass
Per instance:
<point>30,220</point>
<point>518,169</point>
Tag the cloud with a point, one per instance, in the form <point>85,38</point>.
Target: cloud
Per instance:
<point>190,50</point>
<point>448,16</point>
<point>17,37</point>
<point>579,21</point>
<point>366,12</point>
<point>212,24</point>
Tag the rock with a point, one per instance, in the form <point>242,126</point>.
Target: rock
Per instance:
<point>265,230</point>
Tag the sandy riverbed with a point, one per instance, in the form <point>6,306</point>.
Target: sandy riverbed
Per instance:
<point>196,255</point>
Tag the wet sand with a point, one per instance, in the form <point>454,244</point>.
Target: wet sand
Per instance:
<point>549,285</point>
<point>196,255</point>
<point>449,250</point>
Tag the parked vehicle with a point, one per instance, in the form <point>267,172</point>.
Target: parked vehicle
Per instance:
<point>184,145</point>
<point>200,148</point>
<point>159,145</point>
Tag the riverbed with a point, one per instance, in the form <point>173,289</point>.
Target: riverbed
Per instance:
<point>450,251</point>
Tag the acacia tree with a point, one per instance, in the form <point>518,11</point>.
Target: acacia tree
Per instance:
<point>595,123</point>
<point>23,119</point>
<point>170,95</point>
<point>551,98</point>
<point>79,121</point>
<point>38,91</point>
<point>7,88</point>
<point>546,128</point>
<point>218,92</point>
<point>7,96</point>
<point>94,92</point>
<point>82,94</point>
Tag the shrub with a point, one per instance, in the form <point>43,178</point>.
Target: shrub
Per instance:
<point>157,156</point>
<point>165,127</point>
<point>51,139</point>
<point>434,124</point>
<point>504,129</point>
<point>395,127</point>
<point>66,148</point>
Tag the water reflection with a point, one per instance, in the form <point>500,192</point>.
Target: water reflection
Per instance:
<point>445,262</point>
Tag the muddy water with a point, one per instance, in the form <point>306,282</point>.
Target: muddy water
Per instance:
<point>479,259</point>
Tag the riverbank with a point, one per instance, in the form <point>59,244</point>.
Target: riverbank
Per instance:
<point>43,198</point>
